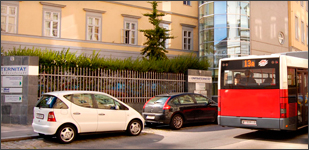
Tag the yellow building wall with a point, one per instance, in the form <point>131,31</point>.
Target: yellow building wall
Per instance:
<point>295,9</point>
<point>73,23</point>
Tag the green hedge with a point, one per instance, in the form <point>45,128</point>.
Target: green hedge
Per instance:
<point>178,64</point>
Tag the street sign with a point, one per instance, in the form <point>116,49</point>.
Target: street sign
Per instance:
<point>13,98</point>
<point>12,81</point>
<point>11,90</point>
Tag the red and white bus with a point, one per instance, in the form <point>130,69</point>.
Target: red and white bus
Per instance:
<point>275,98</point>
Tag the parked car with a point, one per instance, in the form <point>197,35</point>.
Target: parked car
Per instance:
<point>65,114</point>
<point>175,109</point>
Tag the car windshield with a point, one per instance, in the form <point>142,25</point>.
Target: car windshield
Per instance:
<point>46,101</point>
<point>158,100</point>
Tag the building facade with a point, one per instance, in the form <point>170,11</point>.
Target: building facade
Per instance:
<point>239,28</point>
<point>109,27</point>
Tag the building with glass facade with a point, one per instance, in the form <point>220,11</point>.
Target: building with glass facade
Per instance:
<point>240,28</point>
<point>224,31</point>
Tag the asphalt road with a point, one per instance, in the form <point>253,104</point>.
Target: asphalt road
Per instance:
<point>193,136</point>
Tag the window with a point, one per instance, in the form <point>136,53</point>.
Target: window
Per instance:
<point>187,39</point>
<point>130,32</point>
<point>166,26</point>
<point>187,3</point>
<point>48,101</point>
<point>51,23</point>
<point>93,28</point>
<point>200,99</point>
<point>302,32</point>
<point>83,100</point>
<point>59,104</point>
<point>9,17</point>
<point>296,27</point>
<point>104,102</point>
<point>185,99</point>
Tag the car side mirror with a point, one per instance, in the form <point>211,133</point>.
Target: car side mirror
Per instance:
<point>117,107</point>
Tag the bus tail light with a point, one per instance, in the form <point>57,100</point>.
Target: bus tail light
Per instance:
<point>219,103</point>
<point>282,110</point>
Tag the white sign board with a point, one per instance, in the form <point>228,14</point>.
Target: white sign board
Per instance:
<point>200,79</point>
<point>20,70</point>
<point>11,90</point>
<point>12,81</point>
<point>13,98</point>
<point>200,86</point>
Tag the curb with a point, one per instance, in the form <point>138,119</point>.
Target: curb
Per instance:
<point>18,138</point>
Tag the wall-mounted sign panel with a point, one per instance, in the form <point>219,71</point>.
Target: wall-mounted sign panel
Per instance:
<point>13,98</point>
<point>11,90</point>
<point>20,70</point>
<point>12,81</point>
<point>200,86</point>
<point>200,79</point>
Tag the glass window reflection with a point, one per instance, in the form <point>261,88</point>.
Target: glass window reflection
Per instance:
<point>245,8</point>
<point>220,34</point>
<point>220,21</point>
<point>220,7</point>
<point>233,7</point>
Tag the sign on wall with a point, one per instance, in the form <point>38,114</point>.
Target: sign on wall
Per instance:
<point>12,81</point>
<point>20,70</point>
<point>13,98</point>
<point>200,79</point>
<point>11,90</point>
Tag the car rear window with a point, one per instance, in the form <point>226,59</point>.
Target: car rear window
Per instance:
<point>49,101</point>
<point>158,100</point>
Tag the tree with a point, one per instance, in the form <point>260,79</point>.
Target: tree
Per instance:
<point>155,44</point>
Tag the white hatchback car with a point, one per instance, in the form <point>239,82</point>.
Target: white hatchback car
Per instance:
<point>68,113</point>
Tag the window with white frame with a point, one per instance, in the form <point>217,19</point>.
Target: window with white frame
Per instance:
<point>130,32</point>
<point>166,26</point>
<point>93,28</point>
<point>296,28</point>
<point>8,18</point>
<point>187,3</point>
<point>302,32</point>
<point>187,38</point>
<point>51,23</point>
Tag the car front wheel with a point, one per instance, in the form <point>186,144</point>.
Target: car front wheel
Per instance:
<point>66,134</point>
<point>176,122</point>
<point>134,127</point>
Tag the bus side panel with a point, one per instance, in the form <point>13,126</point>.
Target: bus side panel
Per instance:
<point>250,103</point>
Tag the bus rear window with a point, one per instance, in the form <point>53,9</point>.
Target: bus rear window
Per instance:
<point>236,75</point>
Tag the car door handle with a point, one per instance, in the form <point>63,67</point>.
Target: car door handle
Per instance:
<point>101,114</point>
<point>76,113</point>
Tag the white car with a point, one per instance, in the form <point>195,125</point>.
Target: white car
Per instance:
<point>68,113</point>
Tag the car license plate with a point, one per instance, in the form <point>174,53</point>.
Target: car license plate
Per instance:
<point>39,116</point>
<point>150,117</point>
<point>248,122</point>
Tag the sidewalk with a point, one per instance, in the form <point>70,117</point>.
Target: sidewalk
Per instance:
<point>13,132</point>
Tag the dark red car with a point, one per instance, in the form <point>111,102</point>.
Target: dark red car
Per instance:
<point>175,109</point>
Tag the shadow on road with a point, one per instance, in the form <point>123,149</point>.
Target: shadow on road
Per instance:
<point>193,127</point>
<point>113,136</point>
<point>278,136</point>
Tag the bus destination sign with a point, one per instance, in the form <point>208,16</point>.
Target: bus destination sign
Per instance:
<point>248,63</point>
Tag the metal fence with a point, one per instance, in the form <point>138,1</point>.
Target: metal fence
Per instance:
<point>128,86</point>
